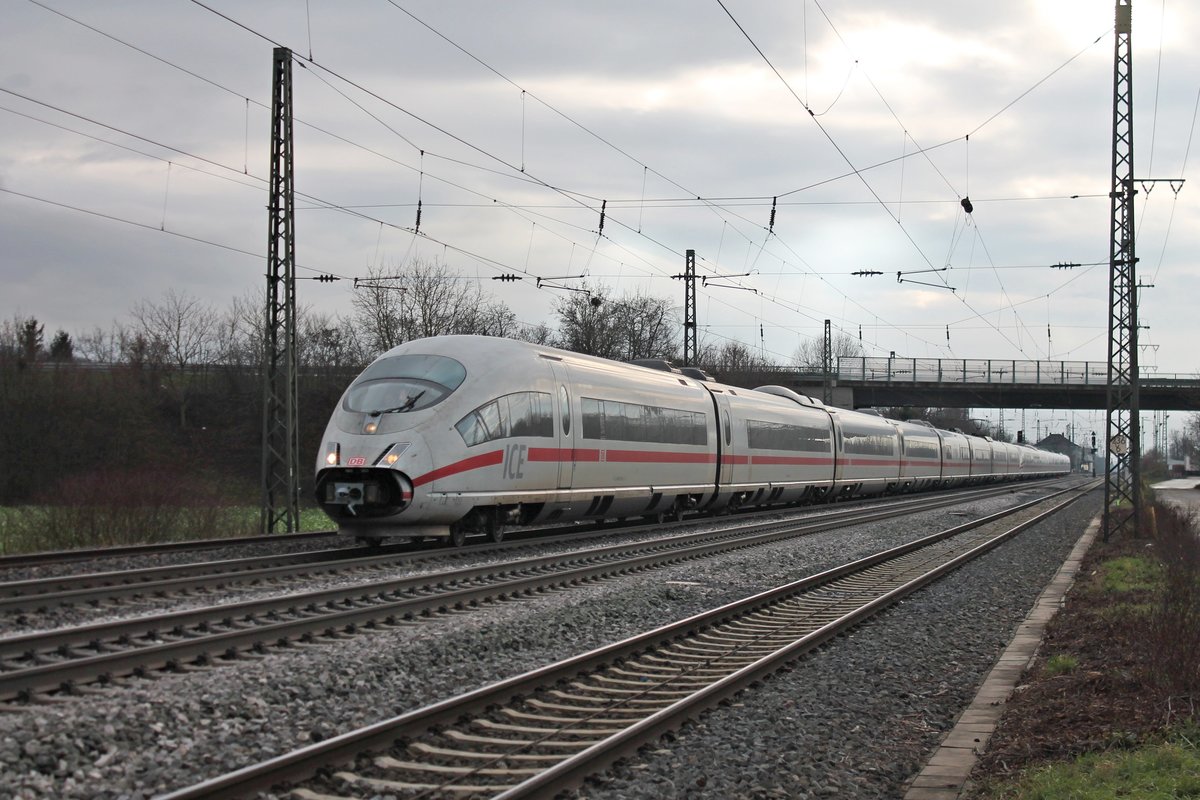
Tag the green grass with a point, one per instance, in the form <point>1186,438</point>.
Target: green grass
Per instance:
<point>26,529</point>
<point>1130,573</point>
<point>1060,664</point>
<point>311,519</point>
<point>314,519</point>
<point>1162,771</point>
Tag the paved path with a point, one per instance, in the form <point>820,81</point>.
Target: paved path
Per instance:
<point>1180,492</point>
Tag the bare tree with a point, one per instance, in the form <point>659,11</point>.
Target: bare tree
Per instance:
<point>731,358</point>
<point>425,298</point>
<point>101,346</point>
<point>439,302</point>
<point>179,330</point>
<point>634,326</point>
<point>586,324</point>
<point>810,355</point>
<point>649,326</point>
<point>536,334</point>
<point>328,344</point>
<point>239,332</point>
<point>378,310</point>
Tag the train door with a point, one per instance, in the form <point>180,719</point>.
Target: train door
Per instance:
<point>564,427</point>
<point>839,459</point>
<point>725,448</point>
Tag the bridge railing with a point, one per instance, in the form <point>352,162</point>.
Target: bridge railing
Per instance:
<point>971,370</point>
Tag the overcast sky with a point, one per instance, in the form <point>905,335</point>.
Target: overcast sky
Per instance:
<point>136,166</point>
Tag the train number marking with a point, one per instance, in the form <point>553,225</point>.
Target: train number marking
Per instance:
<point>356,461</point>
<point>515,456</point>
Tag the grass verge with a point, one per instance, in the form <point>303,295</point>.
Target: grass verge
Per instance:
<point>133,507</point>
<point>1163,770</point>
<point>1115,711</point>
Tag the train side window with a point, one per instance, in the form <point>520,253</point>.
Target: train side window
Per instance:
<point>728,427</point>
<point>529,414</point>
<point>761,435</point>
<point>518,414</point>
<point>564,402</point>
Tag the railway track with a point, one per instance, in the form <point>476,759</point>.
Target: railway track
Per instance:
<point>69,659</point>
<point>96,588</point>
<point>540,733</point>
<point>49,557</point>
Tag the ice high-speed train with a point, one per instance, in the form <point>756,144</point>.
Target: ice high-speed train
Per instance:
<point>445,436</point>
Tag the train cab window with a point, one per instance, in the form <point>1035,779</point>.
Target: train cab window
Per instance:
<point>518,414</point>
<point>405,383</point>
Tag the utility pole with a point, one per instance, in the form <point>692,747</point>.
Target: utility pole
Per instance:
<point>1122,495</point>
<point>281,447</point>
<point>689,307</point>
<point>827,360</point>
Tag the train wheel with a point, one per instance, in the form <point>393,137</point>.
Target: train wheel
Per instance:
<point>494,530</point>
<point>458,535</point>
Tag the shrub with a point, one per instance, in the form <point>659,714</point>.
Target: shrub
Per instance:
<point>1174,625</point>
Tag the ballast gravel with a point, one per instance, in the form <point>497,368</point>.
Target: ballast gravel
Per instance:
<point>854,719</point>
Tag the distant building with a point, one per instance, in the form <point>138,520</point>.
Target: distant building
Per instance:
<point>1057,443</point>
<point>1181,466</point>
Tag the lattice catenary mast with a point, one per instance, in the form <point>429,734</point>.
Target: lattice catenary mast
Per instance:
<point>827,364</point>
<point>281,447</point>
<point>1122,495</point>
<point>689,307</point>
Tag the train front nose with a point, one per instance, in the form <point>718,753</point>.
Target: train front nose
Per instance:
<point>353,486</point>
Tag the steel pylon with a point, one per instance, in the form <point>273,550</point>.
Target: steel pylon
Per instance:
<point>1122,487</point>
<point>280,447</point>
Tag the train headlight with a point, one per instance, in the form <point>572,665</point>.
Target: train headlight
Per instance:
<point>390,456</point>
<point>371,426</point>
<point>333,453</point>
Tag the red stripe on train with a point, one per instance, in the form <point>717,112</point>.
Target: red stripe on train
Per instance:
<point>467,464</point>
<point>595,455</point>
<point>816,461</point>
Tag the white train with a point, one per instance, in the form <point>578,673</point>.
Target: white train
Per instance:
<point>445,436</point>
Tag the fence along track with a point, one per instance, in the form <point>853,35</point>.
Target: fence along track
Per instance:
<point>537,734</point>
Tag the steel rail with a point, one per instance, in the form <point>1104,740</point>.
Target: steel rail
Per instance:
<point>574,769</point>
<point>42,594</point>
<point>116,583</point>
<point>47,557</point>
<point>89,553</point>
<point>306,761</point>
<point>61,659</point>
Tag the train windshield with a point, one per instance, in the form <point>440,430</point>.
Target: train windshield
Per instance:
<point>406,383</point>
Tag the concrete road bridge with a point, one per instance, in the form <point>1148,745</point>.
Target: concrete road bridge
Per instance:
<point>861,382</point>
